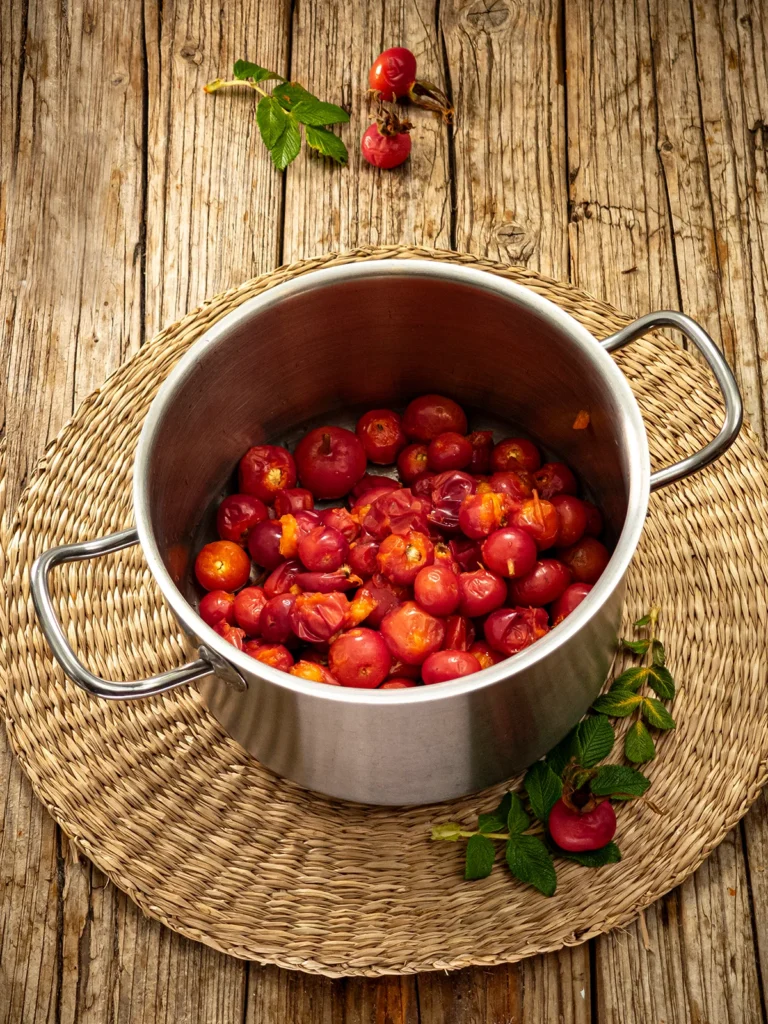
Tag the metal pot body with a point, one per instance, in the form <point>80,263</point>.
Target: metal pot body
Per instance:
<point>374,334</point>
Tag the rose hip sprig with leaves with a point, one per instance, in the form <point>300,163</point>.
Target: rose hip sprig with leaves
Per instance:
<point>571,774</point>
<point>281,115</point>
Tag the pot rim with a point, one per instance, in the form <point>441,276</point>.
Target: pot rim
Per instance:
<point>637,502</point>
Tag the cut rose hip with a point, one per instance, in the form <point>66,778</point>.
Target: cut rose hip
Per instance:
<point>481,592</point>
<point>217,606</point>
<point>586,560</point>
<point>249,605</point>
<point>222,565</point>
<point>448,451</point>
<point>312,671</point>
<point>330,461</point>
<point>360,657</point>
<point>443,666</point>
<point>449,490</point>
<point>281,579</point>
<point>237,515</point>
<point>316,617</point>
<point>232,634</point>
<point>430,415</point>
<point>538,518</point>
<point>400,558</point>
<point>459,633</point>
<point>342,521</point>
<point>518,486</point>
<point>396,512</point>
<point>542,585</point>
<point>381,435</point>
<point>569,601</point>
<point>554,478</point>
<point>266,469</point>
<point>482,513</point>
<point>510,552</point>
<point>509,630</point>
<point>371,482</point>
<point>436,589</point>
<point>397,684</point>
<point>515,453</point>
<point>271,654</point>
<point>444,557</point>
<point>485,654</point>
<point>411,633</point>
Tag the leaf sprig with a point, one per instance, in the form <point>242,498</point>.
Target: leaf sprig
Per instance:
<point>572,770</point>
<point>281,115</point>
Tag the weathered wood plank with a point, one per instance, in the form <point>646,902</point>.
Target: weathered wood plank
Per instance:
<point>331,208</point>
<point>640,203</point>
<point>507,76</point>
<point>214,204</point>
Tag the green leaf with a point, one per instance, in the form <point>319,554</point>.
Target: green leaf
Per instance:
<point>559,756</point>
<point>636,646</point>
<point>287,147</point>
<point>645,621</point>
<point>596,739</point>
<point>313,111</point>
<point>656,714</point>
<point>517,819</point>
<point>638,744</point>
<point>530,862</point>
<point>245,70</point>
<point>450,831</point>
<point>632,679</point>
<point>480,856</point>
<point>327,143</point>
<point>659,654</point>
<point>656,676</point>
<point>497,821</point>
<point>271,119</point>
<point>291,93</point>
<point>619,781</point>
<point>618,703</point>
<point>544,789</point>
<point>609,854</point>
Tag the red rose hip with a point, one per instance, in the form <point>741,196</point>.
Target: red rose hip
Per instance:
<point>569,601</point>
<point>509,630</point>
<point>330,461</point>
<point>266,469</point>
<point>249,605</point>
<point>217,606</point>
<point>436,589</point>
<point>443,666</point>
<point>264,543</point>
<point>237,515</point>
<point>222,565</point>
<point>586,560</point>
<point>515,453</point>
<point>542,585</point>
<point>411,633</point>
<point>554,478</point>
<point>316,617</point>
<point>578,831</point>
<point>481,592</point>
<point>393,73</point>
<point>482,446</point>
<point>412,462</point>
<point>571,518</point>
<point>510,552</point>
<point>360,657</point>
<point>401,558</point>
<point>323,549</point>
<point>293,500</point>
<point>381,435</point>
<point>448,451</point>
<point>431,415</point>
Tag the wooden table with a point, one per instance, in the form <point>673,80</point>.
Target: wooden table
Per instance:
<point>621,146</point>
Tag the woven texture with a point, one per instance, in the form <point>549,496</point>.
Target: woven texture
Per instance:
<point>212,844</point>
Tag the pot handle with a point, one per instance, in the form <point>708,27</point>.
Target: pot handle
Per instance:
<point>729,389</point>
<point>64,654</point>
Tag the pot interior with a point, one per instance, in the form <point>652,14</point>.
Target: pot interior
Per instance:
<point>378,340</point>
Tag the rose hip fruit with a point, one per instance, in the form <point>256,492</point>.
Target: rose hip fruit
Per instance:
<point>436,589</point>
<point>594,520</point>
<point>342,521</point>
<point>444,557</point>
<point>381,435</point>
<point>292,500</point>
<point>393,73</point>
<point>401,558</point>
<point>586,560</point>
<point>249,605</point>
<point>427,417</point>
<point>232,634</point>
<point>578,831</point>
<point>360,657</point>
<point>481,592</point>
<point>411,633</point>
<point>449,490</point>
<point>459,633</point>
<point>510,552</point>
<point>539,518</point>
<point>362,556</point>
<point>264,543</point>
<point>323,549</point>
<point>266,469</point>
<point>271,654</point>
<point>313,672</point>
<point>554,478</point>
<point>237,515</point>
<point>386,143</point>
<point>281,579</point>
<point>397,684</point>
<point>217,606</point>
<point>515,453</point>
<point>482,446</point>
<point>571,517</point>
<point>371,482</point>
<point>412,462</point>
<point>542,585</point>
<point>509,630</point>
<point>316,617</point>
<point>442,666</point>
<point>466,553</point>
<point>275,621</point>
<point>330,461</point>
<point>569,600</point>
<point>482,513</point>
<point>222,565</point>
<point>485,654</point>
<point>515,485</point>
<point>328,582</point>
<point>396,512</point>
<point>448,451</point>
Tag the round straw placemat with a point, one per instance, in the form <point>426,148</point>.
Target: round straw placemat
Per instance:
<point>215,846</point>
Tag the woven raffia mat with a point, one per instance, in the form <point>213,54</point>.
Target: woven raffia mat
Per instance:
<point>212,844</point>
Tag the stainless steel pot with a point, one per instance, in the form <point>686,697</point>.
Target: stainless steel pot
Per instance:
<point>375,333</point>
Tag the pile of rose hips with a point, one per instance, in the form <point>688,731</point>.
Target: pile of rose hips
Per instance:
<point>475,555</point>
<point>392,77</point>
